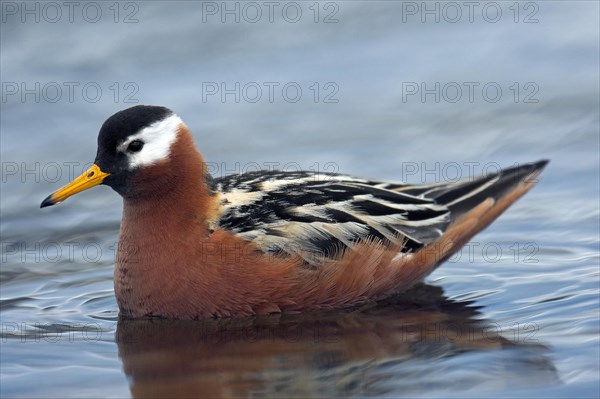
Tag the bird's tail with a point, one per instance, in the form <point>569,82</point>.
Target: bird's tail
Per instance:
<point>462,196</point>
<point>474,204</point>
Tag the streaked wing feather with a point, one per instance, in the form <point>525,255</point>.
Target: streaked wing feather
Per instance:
<point>318,215</point>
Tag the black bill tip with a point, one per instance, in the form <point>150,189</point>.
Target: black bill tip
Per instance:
<point>48,201</point>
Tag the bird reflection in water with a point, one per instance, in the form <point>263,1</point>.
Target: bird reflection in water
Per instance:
<point>416,342</point>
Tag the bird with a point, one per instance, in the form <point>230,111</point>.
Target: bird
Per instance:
<point>192,246</point>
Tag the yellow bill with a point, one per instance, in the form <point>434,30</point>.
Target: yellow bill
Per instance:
<point>90,178</point>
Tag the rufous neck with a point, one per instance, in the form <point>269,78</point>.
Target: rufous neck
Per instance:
<point>173,194</point>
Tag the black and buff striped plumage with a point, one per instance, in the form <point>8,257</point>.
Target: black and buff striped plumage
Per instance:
<point>319,215</point>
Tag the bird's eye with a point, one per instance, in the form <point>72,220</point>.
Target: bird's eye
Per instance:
<point>135,146</point>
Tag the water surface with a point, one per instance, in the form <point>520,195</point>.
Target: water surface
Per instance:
<point>513,314</point>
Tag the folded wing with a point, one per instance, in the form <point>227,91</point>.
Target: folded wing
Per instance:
<point>318,215</point>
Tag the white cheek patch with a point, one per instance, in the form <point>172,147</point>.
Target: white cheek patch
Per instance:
<point>158,139</point>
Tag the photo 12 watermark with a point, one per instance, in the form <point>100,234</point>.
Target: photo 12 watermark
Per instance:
<point>451,171</point>
<point>53,252</point>
<point>470,92</point>
<point>52,333</point>
<point>252,12</point>
<point>274,170</point>
<point>270,92</point>
<point>450,332</point>
<point>69,92</point>
<point>494,252</point>
<point>53,12</point>
<point>38,172</point>
<point>453,12</point>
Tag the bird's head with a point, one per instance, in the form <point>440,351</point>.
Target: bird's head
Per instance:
<point>135,155</point>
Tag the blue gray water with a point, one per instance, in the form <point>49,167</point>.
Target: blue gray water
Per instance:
<point>393,90</point>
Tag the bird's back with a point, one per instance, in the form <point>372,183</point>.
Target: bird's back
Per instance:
<point>321,215</point>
